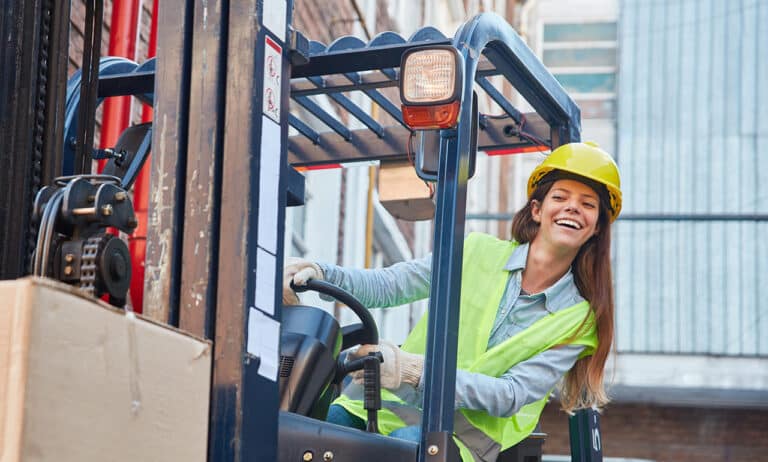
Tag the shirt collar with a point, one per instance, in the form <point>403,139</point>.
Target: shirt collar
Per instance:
<point>517,259</point>
<point>553,293</point>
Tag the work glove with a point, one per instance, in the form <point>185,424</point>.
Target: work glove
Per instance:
<point>299,271</point>
<point>399,366</point>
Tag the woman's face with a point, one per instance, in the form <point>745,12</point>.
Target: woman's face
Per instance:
<point>568,215</point>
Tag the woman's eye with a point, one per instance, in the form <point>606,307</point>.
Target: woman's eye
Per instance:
<point>589,205</point>
<point>557,198</point>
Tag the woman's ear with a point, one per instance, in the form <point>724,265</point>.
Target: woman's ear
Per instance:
<point>536,210</point>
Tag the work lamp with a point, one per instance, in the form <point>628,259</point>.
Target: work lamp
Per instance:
<point>430,87</point>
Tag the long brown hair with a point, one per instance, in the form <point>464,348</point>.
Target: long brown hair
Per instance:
<point>583,384</point>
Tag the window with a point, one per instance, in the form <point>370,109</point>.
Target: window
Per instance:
<point>580,32</point>
<point>579,57</point>
<point>588,83</point>
<point>583,58</point>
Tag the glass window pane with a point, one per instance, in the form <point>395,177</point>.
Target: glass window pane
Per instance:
<point>587,83</point>
<point>580,32</point>
<point>597,108</point>
<point>580,57</point>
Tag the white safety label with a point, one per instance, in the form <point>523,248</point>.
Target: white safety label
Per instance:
<point>273,55</point>
<point>273,18</point>
<point>263,342</point>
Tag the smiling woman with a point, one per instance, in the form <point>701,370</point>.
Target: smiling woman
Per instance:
<point>535,311</point>
<point>573,197</point>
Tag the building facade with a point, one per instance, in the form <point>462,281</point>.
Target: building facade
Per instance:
<point>679,104</point>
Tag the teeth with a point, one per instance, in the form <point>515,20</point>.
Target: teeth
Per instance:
<point>569,223</point>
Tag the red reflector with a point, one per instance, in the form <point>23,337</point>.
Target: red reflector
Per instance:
<point>318,167</point>
<point>431,117</point>
<point>520,150</point>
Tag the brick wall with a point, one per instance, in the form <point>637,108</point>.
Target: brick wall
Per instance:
<point>77,21</point>
<point>670,434</point>
<point>76,38</point>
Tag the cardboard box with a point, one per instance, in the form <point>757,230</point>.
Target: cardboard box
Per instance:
<point>82,381</point>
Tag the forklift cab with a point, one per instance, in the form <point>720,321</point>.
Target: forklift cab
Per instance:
<point>443,116</point>
<point>234,295</point>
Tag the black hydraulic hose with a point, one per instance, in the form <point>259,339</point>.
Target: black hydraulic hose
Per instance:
<point>345,297</point>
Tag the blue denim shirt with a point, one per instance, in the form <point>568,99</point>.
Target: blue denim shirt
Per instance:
<point>523,383</point>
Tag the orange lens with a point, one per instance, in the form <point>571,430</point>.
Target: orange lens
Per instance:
<point>431,117</point>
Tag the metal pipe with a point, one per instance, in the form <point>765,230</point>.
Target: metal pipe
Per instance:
<point>122,42</point>
<point>693,217</point>
<point>369,204</point>
<point>137,242</point>
<point>646,217</point>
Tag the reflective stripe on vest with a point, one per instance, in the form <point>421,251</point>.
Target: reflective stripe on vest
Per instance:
<point>483,273</point>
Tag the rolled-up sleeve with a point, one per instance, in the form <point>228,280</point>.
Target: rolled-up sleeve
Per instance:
<point>524,383</point>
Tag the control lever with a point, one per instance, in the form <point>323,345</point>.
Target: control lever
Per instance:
<point>372,389</point>
<point>371,366</point>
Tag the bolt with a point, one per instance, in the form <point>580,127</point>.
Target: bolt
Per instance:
<point>132,223</point>
<point>67,270</point>
<point>69,258</point>
<point>327,456</point>
<point>432,450</point>
<point>307,456</point>
<point>106,210</point>
<point>90,198</point>
<point>84,211</point>
<point>120,196</point>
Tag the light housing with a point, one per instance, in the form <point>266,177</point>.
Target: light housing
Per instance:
<point>431,86</point>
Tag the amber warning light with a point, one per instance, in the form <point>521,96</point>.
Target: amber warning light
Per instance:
<point>430,87</point>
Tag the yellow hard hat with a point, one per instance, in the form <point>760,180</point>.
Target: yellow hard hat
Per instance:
<point>587,160</point>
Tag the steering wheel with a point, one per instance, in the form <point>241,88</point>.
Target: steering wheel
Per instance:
<point>364,333</point>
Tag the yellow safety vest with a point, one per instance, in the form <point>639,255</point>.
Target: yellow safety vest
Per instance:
<point>483,282</point>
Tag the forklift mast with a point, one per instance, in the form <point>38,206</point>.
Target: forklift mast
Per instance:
<point>230,79</point>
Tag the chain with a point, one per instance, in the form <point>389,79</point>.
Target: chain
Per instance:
<point>91,249</point>
<point>38,127</point>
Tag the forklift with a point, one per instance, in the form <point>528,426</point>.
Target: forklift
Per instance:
<point>227,139</point>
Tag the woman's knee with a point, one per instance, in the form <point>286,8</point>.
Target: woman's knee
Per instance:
<point>340,416</point>
<point>412,433</point>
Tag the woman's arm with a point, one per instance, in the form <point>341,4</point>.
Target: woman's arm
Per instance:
<point>395,285</point>
<point>522,384</point>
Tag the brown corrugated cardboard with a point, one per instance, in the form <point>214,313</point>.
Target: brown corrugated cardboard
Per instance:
<point>82,381</point>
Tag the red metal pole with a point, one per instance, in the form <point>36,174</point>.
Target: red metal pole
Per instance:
<point>137,242</point>
<point>122,42</point>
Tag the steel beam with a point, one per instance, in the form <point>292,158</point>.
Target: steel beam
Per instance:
<point>363,59</point>
<point>307,150</point>
<point>168,166</point>
<point>244,401</point>
<point>197,294</point>
<point>126,84</point>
